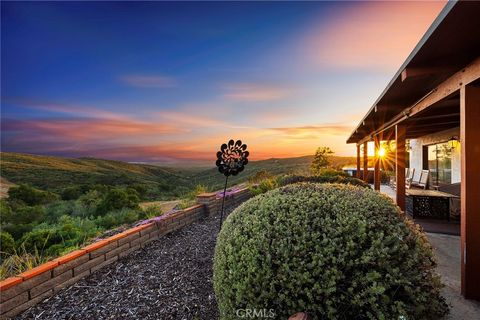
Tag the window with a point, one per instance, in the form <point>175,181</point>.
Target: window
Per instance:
<point>440,163</point>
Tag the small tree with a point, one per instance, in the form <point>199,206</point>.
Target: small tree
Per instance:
<point>321,159</point>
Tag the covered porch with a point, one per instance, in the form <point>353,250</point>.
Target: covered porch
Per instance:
<point>435,94</point>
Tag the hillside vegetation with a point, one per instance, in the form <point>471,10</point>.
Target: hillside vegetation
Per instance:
<point>55,205</point>
<point>55,173</point>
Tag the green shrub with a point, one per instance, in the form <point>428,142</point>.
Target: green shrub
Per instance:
<point>264,186</point>
<point>91,199</point>
<point>119,217</point>
<point>72,193</point>
<point>185,203</point>
<point>334,251</point>
<point>153,211</point>
<point>17,230</point>
<point>57,209</point>
<point>142,190</point>
<point>5,209</point>
<point>7,244</point>
<point>25,215</point>
<point>116,199</point>
<point>289,179</point>
<point>330,172</point>
<point>260,176</point>
<point>54,238</point>
<point>40,239</point>
<point>22,220</point>
<point>30,196</point>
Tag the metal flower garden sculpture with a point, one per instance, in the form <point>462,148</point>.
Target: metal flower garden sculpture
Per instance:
<point>231,160</point>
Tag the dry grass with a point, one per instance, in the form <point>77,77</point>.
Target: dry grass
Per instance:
<point>165,206</point>
<point>5,185</point>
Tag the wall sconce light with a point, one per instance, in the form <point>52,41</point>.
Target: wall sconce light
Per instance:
<point>452,143</point>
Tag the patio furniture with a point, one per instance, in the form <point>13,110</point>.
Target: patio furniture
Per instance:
<point>428,203</point>
<point>423,181</point>
<point>454,189</point>
<point>409,177</point>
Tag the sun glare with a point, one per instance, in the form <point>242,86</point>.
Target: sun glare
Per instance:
<point>381,152</point>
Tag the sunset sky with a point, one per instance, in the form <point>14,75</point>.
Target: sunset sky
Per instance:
<point>167,81</point>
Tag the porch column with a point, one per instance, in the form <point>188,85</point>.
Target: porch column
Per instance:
<point>376,176</point>
<point>365,161</point>
<point>470,190</point>
<point>400,164</point>
<point>358,162</point>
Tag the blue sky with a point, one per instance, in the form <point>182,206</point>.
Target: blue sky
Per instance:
<point>164,81</point>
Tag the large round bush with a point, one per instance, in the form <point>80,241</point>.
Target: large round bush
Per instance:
<point>292,178</point>
<point>334,251</point>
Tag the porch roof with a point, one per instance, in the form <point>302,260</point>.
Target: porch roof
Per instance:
<point>450,44</point>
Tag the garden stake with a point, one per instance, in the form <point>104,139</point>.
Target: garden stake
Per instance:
<point>223,202</point>
<point>231,160</point>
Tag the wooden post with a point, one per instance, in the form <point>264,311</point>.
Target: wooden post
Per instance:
<point>470,190</point>
<point>376,176</point>
<point>358,162</point>
<point>365,161</point>
<point>400,164</point>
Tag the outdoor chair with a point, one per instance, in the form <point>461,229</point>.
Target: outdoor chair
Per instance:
<point>422,183</point>
<point>409,177</point>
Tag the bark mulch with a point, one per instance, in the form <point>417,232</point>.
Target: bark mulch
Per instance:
<point>171,278</point>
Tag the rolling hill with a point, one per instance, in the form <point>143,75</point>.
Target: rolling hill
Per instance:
<point>56,173</point>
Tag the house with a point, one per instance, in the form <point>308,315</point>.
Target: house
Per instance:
<point>431,108</point>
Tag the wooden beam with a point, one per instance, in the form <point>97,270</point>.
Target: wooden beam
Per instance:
<point>426,71</point>
<point>358,162</point>
<point>376,175</point>
<point>400,132</point>
<point>453,84</point>
<point>439,116</point>
<point>448,87</point>
<point>470,191</point>
<point>365,162</point>
<point>433,125</point>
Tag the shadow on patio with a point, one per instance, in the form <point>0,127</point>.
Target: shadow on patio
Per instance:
<point>444,236</point>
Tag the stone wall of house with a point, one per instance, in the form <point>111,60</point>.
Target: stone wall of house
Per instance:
<point>33,286</point>
<point>416,151</point>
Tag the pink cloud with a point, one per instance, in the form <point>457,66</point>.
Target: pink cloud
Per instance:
<point>377,35</point>
<point>250,92</point>
<point>65,108</point>
<point>85,131</point>
<point>145,81</point>
<point>190,119</point>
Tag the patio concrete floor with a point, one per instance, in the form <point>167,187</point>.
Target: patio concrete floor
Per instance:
<point>447,251</point>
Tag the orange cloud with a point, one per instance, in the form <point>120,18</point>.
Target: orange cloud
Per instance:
<point>88,130</point>
<point>143,81</point>
<point>250,92</point>
<point>375,34</point>
<point>314,131</point>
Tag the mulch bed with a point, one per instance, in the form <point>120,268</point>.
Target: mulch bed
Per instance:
<point>170,278</point>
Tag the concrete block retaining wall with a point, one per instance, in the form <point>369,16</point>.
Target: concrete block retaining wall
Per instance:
<point>33,286</point>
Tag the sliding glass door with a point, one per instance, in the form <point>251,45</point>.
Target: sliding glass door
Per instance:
<point>440,163</point>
